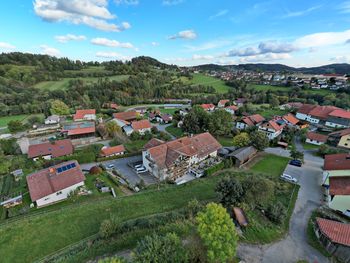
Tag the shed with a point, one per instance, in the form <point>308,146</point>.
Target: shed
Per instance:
<point>243,155</point>
<point>240,216</point>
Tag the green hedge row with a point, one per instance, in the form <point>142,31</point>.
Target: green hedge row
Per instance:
<point>214,169</point>
<point>102,159</point>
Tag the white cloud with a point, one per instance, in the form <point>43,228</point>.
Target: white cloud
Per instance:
<point>93,13</point>
<point>263,48</point>
<point>172,2</point>
<point>340,59</point>
<point>155,44</point>
<point>115,55</point>
<point>323,39</point>
<point>126,2</point>
<point>265,58</point>
<point>202,57</point>
<point>7,46</point>
<point>219,14</point>
<point>208,45</point>
<point>186,34</point>
<point>69,37</point>
<point>49,51</point>
<point>301,12</point>
<point>110,43</point>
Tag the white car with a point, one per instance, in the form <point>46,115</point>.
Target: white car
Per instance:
<point>289,178</point>
<point>138,166</point>
<point>141,170</point>
<point>110,166</point>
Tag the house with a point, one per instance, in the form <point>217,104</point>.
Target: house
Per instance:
<point>290,120</point>
<point>55,183</point>
<point>79,130</point>
<point>231,109</point>
<point>314,113</point>
<point>338,119</point>
<point>334,237</point>
<point>126,116</point>
<point>222,103</point>
<point>340,138</point>
<point>112,151</point>
<point>53,119</point>
<point>242,155</point>
<point>208,107</point>
<point>161,118</point>
<point>240,102</point>
<point>271,128</point>
<point>316,138</point>
<point>141,127</point>
<point>85,115</point>
<point>291,106</point>
<point>173,159</point>
<point>50,150</point>
<point>249,121</point>
<point>336,182</point>
<point>111,105</point>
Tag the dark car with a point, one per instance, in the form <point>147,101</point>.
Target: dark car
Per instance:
<point>296,163</point>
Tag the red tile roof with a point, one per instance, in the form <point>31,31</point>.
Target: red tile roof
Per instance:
<point>126,116</point>
<point>56,149</point>
<point>339,185</point>
<point>201,145</point>
<point>337,232</point>
<point>253,119</point>
<point>291,119</point>
<point>223,102</point>
<point>152,143</point>
<point>208,106</point>
<point>306,108</point>
<point>322,112</point>
<point>340,133</point>
<point>232,107</point>
<point>339,161</point>
<point>317,137</point>
<point>340,114</point>
<point>272,124</point>
<point>79,114</point>
<point>79,131</point>
<point>142,124</point>
<point>48,181</point>
<point>107,151</point>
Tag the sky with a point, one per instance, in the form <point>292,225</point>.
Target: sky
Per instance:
<point>183,32</point>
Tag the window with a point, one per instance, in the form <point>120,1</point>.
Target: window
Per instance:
<point>59,193</point>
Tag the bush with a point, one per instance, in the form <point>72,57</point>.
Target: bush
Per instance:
<point>112,260</point>
<point>107,228</point>
<point>276,212</point>
<point>214,169</point>
<point>230,191</point>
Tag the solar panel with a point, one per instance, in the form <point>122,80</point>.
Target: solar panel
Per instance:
<point>73,165</point>
<point>69,166</point>
<point>64,168</point>
<point>59,170</point>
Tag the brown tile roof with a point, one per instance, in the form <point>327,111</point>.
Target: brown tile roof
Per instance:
<point>80,131</point>
<point>337,232</point>
<point>306,108</point>
<point>56,149</point>
<point>272,124</point>
<point>107,151</point>
<point>142,124</point>
<point>339,185</point>
<point>126,115</point>
<point>317,137</point>
<point>208,106</point>
<point>152,143</point>
<point>232,107</point>
<point>339,161</point>
<point>291,118</point>
<point>322,112</point>
<point>223,102</point>
<point>340,114</point>
<point>79,114</point>
<point>201,145</point>
<point>340,133</point>
<point>252,120</point>
<point>49,180</point>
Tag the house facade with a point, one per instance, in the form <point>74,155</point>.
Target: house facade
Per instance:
<point>249,121</point>
<point>85,115</point>
<point>55,183</point>
<point>340,138</point>
<point>271,129</point>
<point>50,150</point>
<point>338,119</point>
<point>231,109</point>
<point>173,159</point>
<point>316,138</point>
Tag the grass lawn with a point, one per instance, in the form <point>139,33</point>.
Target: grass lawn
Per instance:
<point>308,146</point>
<point>273,165</point>
<point>50,232</point>
<point>225,141</point>
<point>135,146</point>
<point>168,111</point>
<point>175,131</point>
<point>282,88</point>
<point>5,120</point>
<point>269,113</point>
<point>218,84</point>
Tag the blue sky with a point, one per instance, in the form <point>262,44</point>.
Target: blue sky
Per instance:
<point>183,32</point>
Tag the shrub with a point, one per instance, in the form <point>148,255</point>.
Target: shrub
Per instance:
<point>276,212</point>
<point>214,169</point>
<point>230,191</point>
<point>107,228</point>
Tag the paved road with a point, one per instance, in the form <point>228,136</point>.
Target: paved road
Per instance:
<point>162,128</point>
<point>294,246</point>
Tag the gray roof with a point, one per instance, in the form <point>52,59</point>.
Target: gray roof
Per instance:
<point>243,153</point>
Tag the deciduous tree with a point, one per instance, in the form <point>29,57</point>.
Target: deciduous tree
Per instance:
<point>241,140</point>
<point>230,191</point>
<point>58,107</point>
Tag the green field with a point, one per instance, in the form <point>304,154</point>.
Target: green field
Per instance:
<point>5,120</point>
<point>175,131</point>
<point>271,164</point>
<point>218,84</point>
<point>269,113</point>
<point>281,88</point>
<point>225,141</point>
<point>64,83</point>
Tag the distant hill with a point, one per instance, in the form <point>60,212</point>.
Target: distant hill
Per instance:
<point>326,69</point>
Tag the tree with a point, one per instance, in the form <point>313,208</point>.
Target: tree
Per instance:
<point>295,154</point>
<point>230,191</point>
<point>241,140</point>
<point>220,123</point>
<point>107,228</point>
<point>58,107</point>
<point>196,121</point>
<point>156,248</point>
<point>217,232</point>
<point>112,128</point>
<point>259,140</point>
<point>15,126</point>
<point>276,212</point>
<point>258,190</point>
<point>35,119</point>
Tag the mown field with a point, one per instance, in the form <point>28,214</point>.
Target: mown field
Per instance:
<point>22,117</point>
<point>201,79</point>
<point>281,88</point>
<point>64,83</point>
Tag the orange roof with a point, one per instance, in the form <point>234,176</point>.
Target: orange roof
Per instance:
<point>253,119</point>
<point>79,114</point>
<point>107,151</point>
<point>142,124</point>
<point>126,116</point>
<point>223,102</point>
<point>232,107</point>
<point>79,131</point>
<point>317,137</point>
<point>272,124</point>
<point>340,114</point>
<point>56,149</point>
<point>339,161</point>
<point>208,106</point>
<point>337,232</point>
<point>322,112</point>
<point>291,118</point>
<point>339,185</point>
<point>306,108</point>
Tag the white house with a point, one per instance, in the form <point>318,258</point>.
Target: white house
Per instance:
<point>53,119</point>
<point>271,128</point>
<point>316,138</point>
<point>55,183</point>
<point>141,127</point>
<point>249,121</point>
<point>231,109</point>
<point>85,115</point>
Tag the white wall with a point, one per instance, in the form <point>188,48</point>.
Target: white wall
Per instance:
<point>45,157</point>
<point>314,142</point>
<point>241,125</point>
<point>335,125</point>
<point>57,196</point>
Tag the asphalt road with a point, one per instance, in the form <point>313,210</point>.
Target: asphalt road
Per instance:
<point>294,246</point>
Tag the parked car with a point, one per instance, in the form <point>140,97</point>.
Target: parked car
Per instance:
<point>141,170</point>
<point>296,163</point>
<point>110,166</point>
<point>138,166</point>
<point>289,178</point>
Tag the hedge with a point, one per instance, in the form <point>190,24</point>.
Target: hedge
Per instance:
<point>214,169</point>
<point>101,159</point>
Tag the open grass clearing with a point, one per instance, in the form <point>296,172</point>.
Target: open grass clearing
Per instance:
<point>204,80</point>
<point>271,164</point>
<point>175,131</point>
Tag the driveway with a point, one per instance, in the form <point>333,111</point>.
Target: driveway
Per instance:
<point>161,128</point>
<point>294,246</point>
